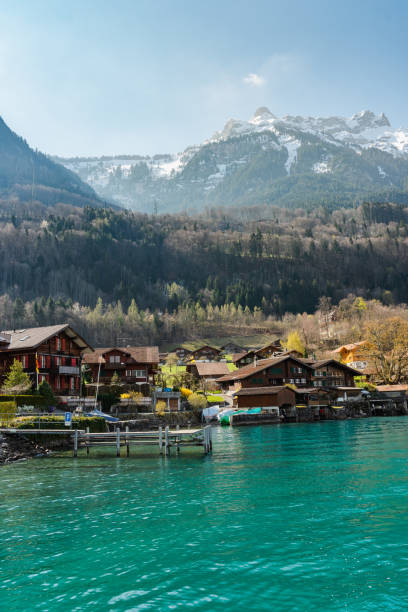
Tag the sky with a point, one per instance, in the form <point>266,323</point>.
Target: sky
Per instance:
<point>92,77</point>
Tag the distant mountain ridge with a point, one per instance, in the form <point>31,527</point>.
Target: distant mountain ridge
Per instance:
<point>28,175</point>
<point>290,161</point>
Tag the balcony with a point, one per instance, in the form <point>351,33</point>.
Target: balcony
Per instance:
<point>72,370</point>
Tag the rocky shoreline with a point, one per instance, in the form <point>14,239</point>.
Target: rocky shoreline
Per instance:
<point>16,448</point>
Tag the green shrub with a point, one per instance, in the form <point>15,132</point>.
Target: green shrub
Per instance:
<point>95,424</point>
<point>25,400</point>
<point>107,400</point>
<point>8,411</point>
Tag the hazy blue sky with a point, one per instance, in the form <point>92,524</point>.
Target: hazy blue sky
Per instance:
<point>86,77</point>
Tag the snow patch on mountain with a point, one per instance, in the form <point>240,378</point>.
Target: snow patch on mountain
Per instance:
<point>321,167</point>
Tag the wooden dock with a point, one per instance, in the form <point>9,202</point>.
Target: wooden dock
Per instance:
<point>164,439</point>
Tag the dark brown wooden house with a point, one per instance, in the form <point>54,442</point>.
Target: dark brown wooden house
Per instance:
<point>231,347</point>
<point>133,364</point>
<point>182,353</point>
<point>206,353</point>
<point>208,371</point>
<point>270,350</point>
<point>332,373</point>
<point>58,350</point>
<point>270,372</point>
<point>243,359</point>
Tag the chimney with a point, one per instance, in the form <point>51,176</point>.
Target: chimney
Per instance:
<point>255,361</point>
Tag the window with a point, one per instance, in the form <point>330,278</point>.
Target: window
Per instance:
<point>58,382</point>
<point>24,361</point>
<point>136,373</point>
<point>72,383</point>
<point>58,343</point>
<point>114,359</point>
<point>303,381</point>
<point>58,361</point>
<point>42,361</point>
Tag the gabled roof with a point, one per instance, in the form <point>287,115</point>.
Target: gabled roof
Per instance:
<point>263,364</point>
<point>343,366</point>
<point>232,343</point>
<point>262,391</point>
<point>212,368</point>
<point>274,343</point>
<point>32,337</point>
<point>206,346</point>
<point>238,356</point>
<point>140,354</point>
<point>350,347</point>
<point>392,388</point>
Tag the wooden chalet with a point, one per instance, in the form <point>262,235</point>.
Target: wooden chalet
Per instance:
<point>332,373</point>
<point>352,355</point>
<point>133,364</point>
<point>267,372</point>
<point>270,350</point>
<point>243,359</point>
<point>58,349</point>
<point>206,353</point>
<point>209,371</point>
<point>182,353</point>
<point>231,347</point>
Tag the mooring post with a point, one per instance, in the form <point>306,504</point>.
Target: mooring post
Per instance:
<point>210,436</point>
<point>87,441</point>
<point>76,443</point>
<point>178,440</point>
<point>127,441</point>
<point>161,440</point>
<point>166,440</point>
<point>118,441</point>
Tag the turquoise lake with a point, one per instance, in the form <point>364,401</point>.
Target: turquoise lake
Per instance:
<point>292,517</point>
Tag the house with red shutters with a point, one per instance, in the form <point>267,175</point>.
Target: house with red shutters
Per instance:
<point>56,350</point>
<point>133,364</point>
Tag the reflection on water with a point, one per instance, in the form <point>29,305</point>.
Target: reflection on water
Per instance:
<point>294,517</point>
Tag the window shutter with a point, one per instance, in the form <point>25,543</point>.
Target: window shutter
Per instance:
<point>48,361</point>
<point>63,344</point>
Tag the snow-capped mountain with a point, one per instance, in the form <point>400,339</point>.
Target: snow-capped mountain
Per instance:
<point>291,160</point>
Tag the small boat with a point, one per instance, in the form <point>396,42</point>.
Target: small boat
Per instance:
<point>225,415</point>
<point>99,413</point>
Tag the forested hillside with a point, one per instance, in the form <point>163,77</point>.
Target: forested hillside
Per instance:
<point>30,176</point>
<point>283,263</point>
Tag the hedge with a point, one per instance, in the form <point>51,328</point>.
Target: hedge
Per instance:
<point>8,412</point>
<point>25,400</point>
<point>95,424</point>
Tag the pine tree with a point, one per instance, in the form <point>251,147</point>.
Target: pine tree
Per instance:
<point>17,381</point>
<point>47,393</point>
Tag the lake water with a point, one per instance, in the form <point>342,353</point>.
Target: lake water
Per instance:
<point>283,518</point>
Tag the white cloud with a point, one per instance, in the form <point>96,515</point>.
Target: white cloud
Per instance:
<point>255,80</point>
